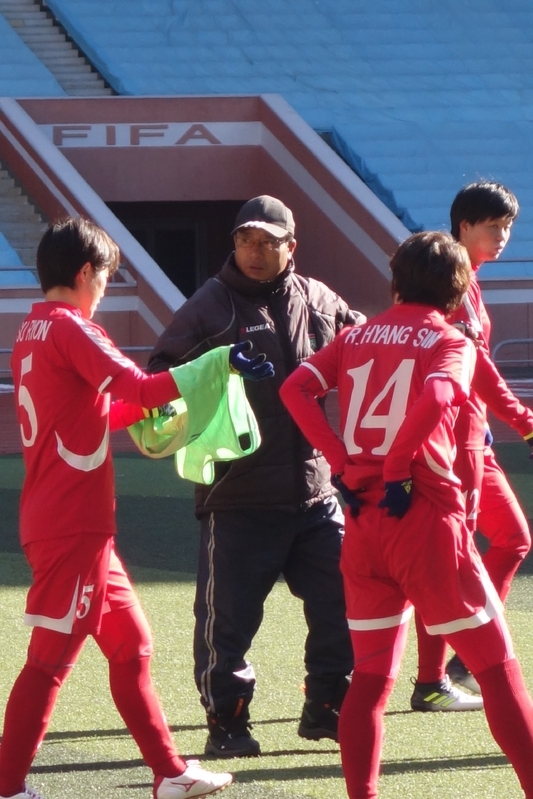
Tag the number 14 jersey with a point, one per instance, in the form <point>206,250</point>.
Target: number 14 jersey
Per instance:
<point>380,370</point>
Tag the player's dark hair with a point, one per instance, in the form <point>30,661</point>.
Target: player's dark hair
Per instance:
<point>480,201</point>
<point>431,268</point>
<point>69,244</point>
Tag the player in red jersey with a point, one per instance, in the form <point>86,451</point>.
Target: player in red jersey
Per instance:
<point>482,216</point>
<point>400,377</point>
<point>65,369</point>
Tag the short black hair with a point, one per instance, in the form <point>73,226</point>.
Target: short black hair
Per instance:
<point>431,268</point>
<point>69,244</point>
<point>480,201</point>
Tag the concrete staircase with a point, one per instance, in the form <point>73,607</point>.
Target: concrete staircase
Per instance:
<point>20,222</point>
<point>47,39</point>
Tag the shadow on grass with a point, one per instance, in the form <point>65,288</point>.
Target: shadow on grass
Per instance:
<point>305,771</point>
<point>73,735</point>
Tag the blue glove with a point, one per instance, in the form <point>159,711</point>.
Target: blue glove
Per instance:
<point>350,497</point>
<point>398,496</point>
<point>250,368</point>
<point>489,438</point>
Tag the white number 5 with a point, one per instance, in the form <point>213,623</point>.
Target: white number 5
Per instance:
<point>26,402</point>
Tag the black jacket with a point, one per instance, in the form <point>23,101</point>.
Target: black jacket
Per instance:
<point>288,319</point>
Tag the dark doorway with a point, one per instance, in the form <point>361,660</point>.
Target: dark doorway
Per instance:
<point>189,240</point>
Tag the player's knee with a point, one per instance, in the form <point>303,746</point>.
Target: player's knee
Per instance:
<point>58,673</point>
<point>125,635</point>
<point>53,653</point>
<point>524,544</point>
<point>133,647</point>
<point>519,543</point>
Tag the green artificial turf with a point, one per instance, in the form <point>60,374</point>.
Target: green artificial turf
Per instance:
<point>89,754</point>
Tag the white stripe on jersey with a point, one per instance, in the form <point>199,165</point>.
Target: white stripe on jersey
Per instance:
<point>447,474</point>
<point>63,625</point>
<point>317,374</point>
<point>104,385</point>
<point>85,463</point>
<point>474,321</point>
<point>493,608</point>
<point>106,346</point>
<point>381,624</point>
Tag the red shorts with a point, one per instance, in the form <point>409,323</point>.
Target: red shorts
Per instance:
<point>468,467</point>
<point>76,580</point>
<point>427,559</point>
<point>501,519</point>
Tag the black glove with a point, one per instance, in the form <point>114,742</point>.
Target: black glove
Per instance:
<point>350,497</point>
<point>250,368</point>
<point>398,496</point>
<point>529,440</point>
<point>489,438</point>
<point>162,410</point>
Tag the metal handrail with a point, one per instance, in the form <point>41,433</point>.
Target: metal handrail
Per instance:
<point>509,342</point>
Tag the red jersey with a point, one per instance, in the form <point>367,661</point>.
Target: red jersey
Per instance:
<point>488,386</point>
<point>381,370</point>
<point>64,367</point>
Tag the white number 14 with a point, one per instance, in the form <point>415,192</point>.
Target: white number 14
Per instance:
<point>398,385</point>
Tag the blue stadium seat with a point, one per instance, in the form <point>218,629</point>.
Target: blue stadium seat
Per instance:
<point>22,74</point>
<point>13,277</point>
<point>420,97</point>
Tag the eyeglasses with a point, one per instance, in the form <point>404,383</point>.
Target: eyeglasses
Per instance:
<point>247,242</point>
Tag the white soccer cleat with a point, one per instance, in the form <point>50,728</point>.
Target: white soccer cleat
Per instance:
<point>443,696</point>
<point>194,782</point>
<point>27,793</point>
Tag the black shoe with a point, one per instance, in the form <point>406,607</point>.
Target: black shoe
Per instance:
<point>318,721</point>
<point>229,735</point>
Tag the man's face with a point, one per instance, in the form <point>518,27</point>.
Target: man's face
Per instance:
<point>91,289</point>
<point>485,240</point>
<point>261,256</point>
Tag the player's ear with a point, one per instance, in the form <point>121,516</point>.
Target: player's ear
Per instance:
<point>85,274</point>
<point>464,227</point>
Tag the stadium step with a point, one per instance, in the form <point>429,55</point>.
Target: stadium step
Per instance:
<point>43,35</point>
<point>20,222</point>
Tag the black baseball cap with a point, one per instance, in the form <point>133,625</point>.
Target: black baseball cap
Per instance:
<point>267,213</point>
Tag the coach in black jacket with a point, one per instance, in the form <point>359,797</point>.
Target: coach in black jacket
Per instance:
<point>272,513</point>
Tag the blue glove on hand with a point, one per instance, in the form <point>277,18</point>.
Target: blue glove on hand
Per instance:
<point>250,368</point>
<point>398,496</point>
<point>350,497</point>
<point>489,438</point>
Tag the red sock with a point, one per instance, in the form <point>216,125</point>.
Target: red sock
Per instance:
<point>138,704</point>
<point>431,654</point>
<point>509,711</point>
<point>501,565</point>
<point>27,716</point>
<point>361,732</point>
